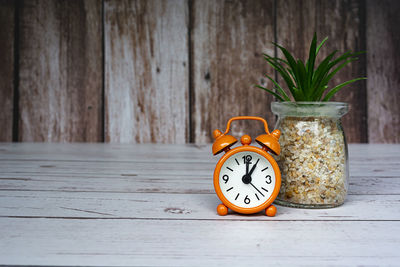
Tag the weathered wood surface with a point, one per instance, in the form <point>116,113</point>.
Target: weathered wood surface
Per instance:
<point>228,39</point>
<point>168,176</point>
<point>197,242</point>
<point>60,71</point>
<point>383,64</point>
<point>343,23</point>
<point>7,28</point>
<point>82,204</point>
<point>146,71</point>
<point>129,167</point>
<point>111,205</point>
<point>176,70</point>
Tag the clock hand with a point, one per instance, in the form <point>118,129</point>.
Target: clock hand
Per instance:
<point>252,169</point>
<point>257,189</point>
<point>247,167</point>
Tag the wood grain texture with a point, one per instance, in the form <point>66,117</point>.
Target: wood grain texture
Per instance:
<point>150,168</point>
<point>82,204</point>
<point>227,40</point>
<point>173,76</point>
<point>150,242</point>
<point>383,61</point>
<point>146,71</point>
<point>343,22</point>
<point>7,20</point>
<point>60,71</point>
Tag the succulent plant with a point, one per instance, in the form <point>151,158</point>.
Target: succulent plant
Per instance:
<point>308,82</point>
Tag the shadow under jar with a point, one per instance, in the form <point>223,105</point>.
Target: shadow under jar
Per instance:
<point>314,157</point>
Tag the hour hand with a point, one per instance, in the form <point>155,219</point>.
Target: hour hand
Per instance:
<point>254,167</point>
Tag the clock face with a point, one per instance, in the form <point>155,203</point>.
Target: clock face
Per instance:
<point>247,179</point>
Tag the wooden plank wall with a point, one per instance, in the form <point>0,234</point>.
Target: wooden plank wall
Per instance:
<point>146,71</point>
<point>383,71</point>
<point>172,71</point>
<point>227,40</point>
<point>60,71</point>
<point>7,32</point>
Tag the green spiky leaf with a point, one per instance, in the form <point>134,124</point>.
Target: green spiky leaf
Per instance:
<point>309,81</point>
<point>340,86</point>
<point>279,88</point>
<point>271,92</point>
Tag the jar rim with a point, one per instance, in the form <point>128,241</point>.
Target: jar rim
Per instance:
<point>310,109</point>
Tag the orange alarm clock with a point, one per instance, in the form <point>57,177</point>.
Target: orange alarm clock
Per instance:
<point>247,179</point>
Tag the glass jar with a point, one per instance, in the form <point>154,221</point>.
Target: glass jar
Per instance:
<point>314,157</point>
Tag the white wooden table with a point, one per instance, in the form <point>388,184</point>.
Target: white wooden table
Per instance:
<point>154,205</point>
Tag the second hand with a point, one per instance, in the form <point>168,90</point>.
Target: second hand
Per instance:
<point>257,189</point>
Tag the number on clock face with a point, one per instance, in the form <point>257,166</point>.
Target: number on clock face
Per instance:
<point>247,179</point>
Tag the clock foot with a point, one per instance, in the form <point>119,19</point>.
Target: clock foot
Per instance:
<point>222,210</point>
<point>270,211</point>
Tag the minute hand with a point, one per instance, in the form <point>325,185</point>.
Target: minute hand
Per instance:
<point>254,167</point>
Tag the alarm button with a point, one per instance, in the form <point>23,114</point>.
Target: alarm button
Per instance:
<point>245,140</point>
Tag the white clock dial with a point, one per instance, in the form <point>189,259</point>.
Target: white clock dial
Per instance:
<point>243,186</point>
